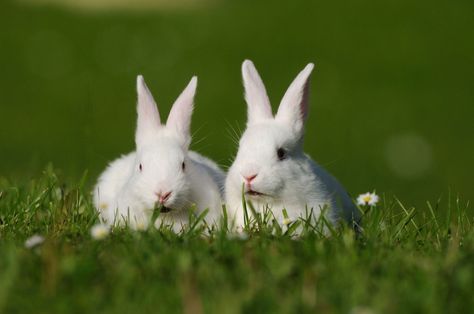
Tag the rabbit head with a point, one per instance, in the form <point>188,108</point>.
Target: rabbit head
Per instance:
<point>267,162</point>
<point>160,172</point>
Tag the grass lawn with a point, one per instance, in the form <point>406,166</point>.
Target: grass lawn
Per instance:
<point>406,260</point>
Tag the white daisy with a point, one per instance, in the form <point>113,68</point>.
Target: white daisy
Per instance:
<point>99,231</point>
<point>33,241</point>
<point>368,198</point>
<point>287,221</point>
<point>141,226</point>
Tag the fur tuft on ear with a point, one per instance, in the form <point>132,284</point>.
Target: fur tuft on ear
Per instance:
<point>179,118</point>
<point>258,104</point>
<point>148,120</point>
<point>293,108</point>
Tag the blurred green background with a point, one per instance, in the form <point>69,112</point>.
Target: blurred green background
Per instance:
<point>392,100</point>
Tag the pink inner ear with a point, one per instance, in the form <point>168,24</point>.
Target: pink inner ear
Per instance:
<point>304,104</point>
<point>150,113</point>
<point>294,106</point>
<point>179,118</point>
<point>146,103</point>
<point>259,107</point>
<point>148,120</point>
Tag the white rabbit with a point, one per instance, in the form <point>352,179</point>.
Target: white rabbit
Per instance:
<point>161,173</point>
<point>271,168</point>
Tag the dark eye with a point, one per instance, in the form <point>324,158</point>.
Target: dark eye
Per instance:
<point>281,153</point>
<point>140,167</point>
<point>183,166</point>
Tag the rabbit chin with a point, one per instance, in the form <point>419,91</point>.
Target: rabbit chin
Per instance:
<point>175,205</point>
<point>167,208</point>
<point>257,197</point>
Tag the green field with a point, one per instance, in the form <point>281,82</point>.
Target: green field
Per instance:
<point>405,260</point>
<point>392,102</point>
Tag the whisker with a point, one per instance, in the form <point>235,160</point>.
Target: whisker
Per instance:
<point>234,132</point>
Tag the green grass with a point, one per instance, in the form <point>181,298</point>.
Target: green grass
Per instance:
<point>409,260</point>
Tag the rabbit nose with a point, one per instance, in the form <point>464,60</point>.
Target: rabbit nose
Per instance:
<point>163,197</point>
<point>249,178</point>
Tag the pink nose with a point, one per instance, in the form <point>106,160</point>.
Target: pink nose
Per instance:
<point>163,197</point>
<point>250,178</point>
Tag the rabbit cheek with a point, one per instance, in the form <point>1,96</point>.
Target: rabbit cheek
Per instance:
<point>179,198</point>
<point>272,183</point>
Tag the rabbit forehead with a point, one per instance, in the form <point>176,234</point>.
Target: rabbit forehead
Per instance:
<point>263,136</point>
<point>163,152</point>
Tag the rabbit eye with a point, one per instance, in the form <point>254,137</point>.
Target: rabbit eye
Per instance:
<point>183,166</point>
<point>281,153</point>
<point>140,167</point>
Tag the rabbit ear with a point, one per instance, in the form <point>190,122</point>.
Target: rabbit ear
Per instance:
<point>148,121</point>
<point>179,118</point>
<point>293,108</point>
<point>255,94</point>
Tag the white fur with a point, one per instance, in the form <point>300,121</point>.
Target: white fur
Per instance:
<point>295,183</point>
<point>124,194</point>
